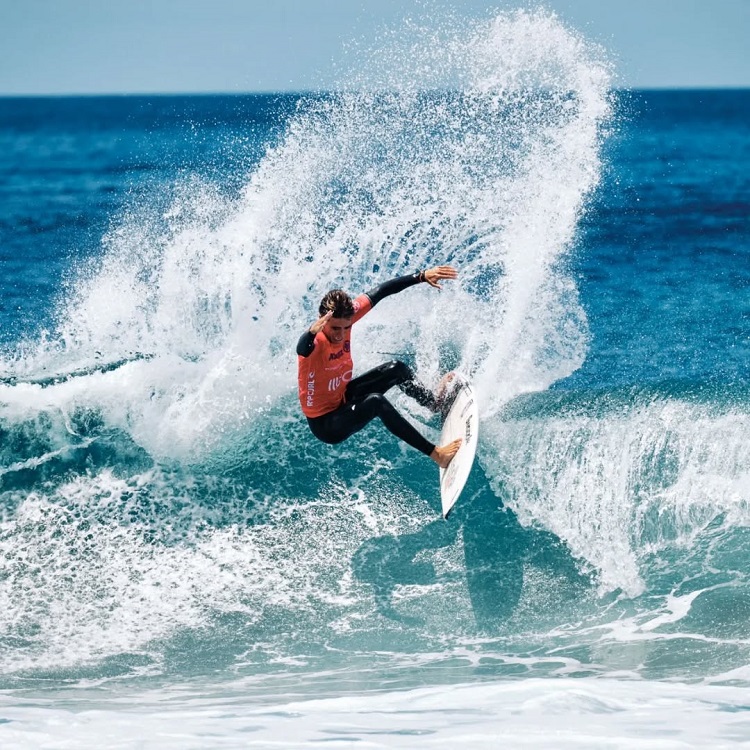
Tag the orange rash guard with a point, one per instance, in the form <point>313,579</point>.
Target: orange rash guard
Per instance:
<point>322,376</point>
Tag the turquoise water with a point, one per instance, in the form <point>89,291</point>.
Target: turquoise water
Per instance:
<point>174,544</point>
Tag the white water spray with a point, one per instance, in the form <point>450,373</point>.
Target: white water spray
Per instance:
<point>481,155</point>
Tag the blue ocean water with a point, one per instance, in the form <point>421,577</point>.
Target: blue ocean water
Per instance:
<point>182,564</point>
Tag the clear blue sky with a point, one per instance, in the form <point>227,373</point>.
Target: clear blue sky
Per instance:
<point>114,46</point>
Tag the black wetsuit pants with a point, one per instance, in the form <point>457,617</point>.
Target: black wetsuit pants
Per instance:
<point>364,400</point>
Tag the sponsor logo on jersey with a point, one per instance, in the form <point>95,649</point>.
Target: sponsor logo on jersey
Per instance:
<point>310,388</point>
<point>335,383</point>
<point>338,355</point>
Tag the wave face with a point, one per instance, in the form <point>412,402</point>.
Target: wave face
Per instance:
<point>165,511</point>
<point>627,477</point>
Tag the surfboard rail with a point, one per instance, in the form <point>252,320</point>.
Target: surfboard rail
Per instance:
<point>461,421</point>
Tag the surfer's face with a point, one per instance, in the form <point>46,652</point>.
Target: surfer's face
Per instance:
<point>335,329</point>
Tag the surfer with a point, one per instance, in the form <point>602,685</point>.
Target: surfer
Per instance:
<point>337,405</point>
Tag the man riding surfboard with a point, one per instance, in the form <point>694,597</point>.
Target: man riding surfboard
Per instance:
<point>337,405</point>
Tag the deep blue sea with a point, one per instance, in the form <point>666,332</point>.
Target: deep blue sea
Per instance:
<point>183,565</point>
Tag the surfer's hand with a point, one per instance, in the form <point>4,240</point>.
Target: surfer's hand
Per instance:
<point>439,273</point>
<point>320,323</point>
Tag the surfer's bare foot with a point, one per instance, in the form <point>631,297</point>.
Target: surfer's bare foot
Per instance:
<point>444,385</point>
<point>444,393</point>
<point>442,455</point>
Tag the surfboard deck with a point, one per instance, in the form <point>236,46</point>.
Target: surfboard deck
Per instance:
<point>461,421</point>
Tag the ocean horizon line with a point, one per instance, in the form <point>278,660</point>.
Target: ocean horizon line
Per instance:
<point>315,92</point>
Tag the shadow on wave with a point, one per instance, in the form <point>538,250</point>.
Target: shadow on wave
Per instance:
<point>498,552</point>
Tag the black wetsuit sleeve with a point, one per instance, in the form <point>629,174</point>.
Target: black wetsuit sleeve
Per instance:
<point>387,288</point>
<point>306,344</point>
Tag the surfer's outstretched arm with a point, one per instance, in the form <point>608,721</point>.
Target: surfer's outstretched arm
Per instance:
<point>339,411</point>
<point>431,276</point>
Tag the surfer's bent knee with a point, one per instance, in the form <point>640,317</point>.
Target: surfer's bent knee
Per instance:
<point>373,403</point>
<point>400,369</point>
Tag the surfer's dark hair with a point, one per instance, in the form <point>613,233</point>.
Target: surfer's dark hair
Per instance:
<point>339,303</point>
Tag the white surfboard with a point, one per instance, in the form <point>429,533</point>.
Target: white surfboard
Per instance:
<point>462,421</point>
